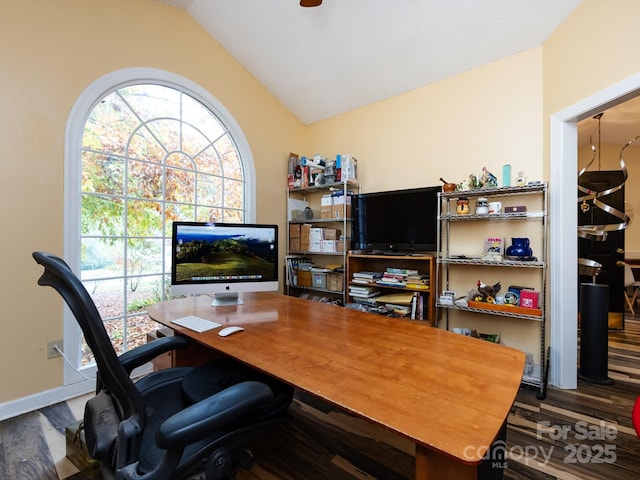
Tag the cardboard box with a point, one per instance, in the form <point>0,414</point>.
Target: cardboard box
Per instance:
<point>331,234</point>
<point>315,246</point>
<point>328,246</point>
<point>334,282</point>
<point>339,213</point>
<point>305,228</point>
<point>316,233</point>
<point>333,246</point>
<point>339,209</point>
<point>325,212</point>
<point>294,230</point>
<point>304,278</point>
<point>295,245</point>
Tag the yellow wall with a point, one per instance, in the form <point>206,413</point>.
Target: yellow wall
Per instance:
<point>50,52</point>
<point>489,116</point>
<point>593,49</point>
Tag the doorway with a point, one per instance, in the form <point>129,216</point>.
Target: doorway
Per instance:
<point>563,245</point>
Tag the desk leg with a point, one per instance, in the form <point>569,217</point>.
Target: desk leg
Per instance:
<point>431,465</point>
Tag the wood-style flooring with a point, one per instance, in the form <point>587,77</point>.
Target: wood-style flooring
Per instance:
<point>580,434</point>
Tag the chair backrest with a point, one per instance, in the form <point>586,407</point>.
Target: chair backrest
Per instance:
<point>628,276</point>
<point>112,375</point>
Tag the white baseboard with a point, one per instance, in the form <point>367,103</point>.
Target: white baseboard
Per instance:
<point>30,403</point>
<point>38,400</point>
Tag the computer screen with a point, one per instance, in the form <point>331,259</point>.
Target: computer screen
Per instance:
<point>223,259</point>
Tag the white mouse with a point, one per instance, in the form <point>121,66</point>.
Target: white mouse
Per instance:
<point>229,331</point>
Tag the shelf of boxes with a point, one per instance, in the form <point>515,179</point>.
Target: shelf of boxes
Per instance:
<point>319,228</point>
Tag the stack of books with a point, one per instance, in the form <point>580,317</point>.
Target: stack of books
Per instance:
<point>365,278</point>
<point>363,294</point>
<point>395,277</point>
<point>417,281</point>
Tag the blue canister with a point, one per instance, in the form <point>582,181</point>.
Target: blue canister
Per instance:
<point>519,248</point>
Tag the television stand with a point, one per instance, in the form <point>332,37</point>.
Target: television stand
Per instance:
<point>425,263</point>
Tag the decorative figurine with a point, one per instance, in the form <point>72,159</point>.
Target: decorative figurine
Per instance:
<point>488,292</point>
<point>462,206</point>
<point>482,206</point>
<point>473,181</point>
<point>488,179</point>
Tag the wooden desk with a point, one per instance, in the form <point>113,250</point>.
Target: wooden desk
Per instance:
<point>448,393</point>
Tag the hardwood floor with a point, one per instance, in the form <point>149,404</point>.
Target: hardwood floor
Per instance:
<point>580,434</point>
<point>32,446</point>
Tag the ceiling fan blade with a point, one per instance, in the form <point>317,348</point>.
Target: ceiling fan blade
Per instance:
<point>310,3</point>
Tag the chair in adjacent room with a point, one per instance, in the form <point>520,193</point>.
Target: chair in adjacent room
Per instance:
<point>630,283</point>
<point>178,423</point>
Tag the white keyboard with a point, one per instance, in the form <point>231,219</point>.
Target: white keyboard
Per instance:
<point>196,324</point>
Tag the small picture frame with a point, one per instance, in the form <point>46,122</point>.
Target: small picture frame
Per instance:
<point>493,249</point>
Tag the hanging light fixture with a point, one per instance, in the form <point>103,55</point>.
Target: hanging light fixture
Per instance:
<point>599,118</point>
<point>310,3</point>
<point>599,232</point>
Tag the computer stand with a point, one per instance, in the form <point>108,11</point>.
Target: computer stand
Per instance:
<point>226,299</point>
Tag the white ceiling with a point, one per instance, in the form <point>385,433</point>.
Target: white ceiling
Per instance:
<point>323,61</point>
<point>618,125</point>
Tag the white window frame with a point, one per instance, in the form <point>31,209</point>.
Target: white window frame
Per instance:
<point>78,117</point>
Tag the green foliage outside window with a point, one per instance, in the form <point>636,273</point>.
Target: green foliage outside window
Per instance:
<point>151,154</point>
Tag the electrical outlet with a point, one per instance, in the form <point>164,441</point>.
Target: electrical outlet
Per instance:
<point>51,351</point>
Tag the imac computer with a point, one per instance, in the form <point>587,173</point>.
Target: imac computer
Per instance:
<point>223,259</point>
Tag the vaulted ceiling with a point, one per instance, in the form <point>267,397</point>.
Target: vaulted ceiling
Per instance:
<point>344,54</point>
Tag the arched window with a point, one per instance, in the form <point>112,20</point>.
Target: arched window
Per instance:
<point>150,152</point>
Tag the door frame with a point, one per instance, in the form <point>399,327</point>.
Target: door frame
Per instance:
<point>563,164</point>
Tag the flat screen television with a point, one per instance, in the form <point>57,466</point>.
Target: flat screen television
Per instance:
<point>396,221</point>
<point>223,259</point>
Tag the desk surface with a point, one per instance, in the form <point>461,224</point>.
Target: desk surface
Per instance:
<point>448,393</point>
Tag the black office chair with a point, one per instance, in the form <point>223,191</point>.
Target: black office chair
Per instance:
<point>156,428</point>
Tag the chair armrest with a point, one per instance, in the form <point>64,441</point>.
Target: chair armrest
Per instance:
<point>147,352</point>
<point>213,413</point>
